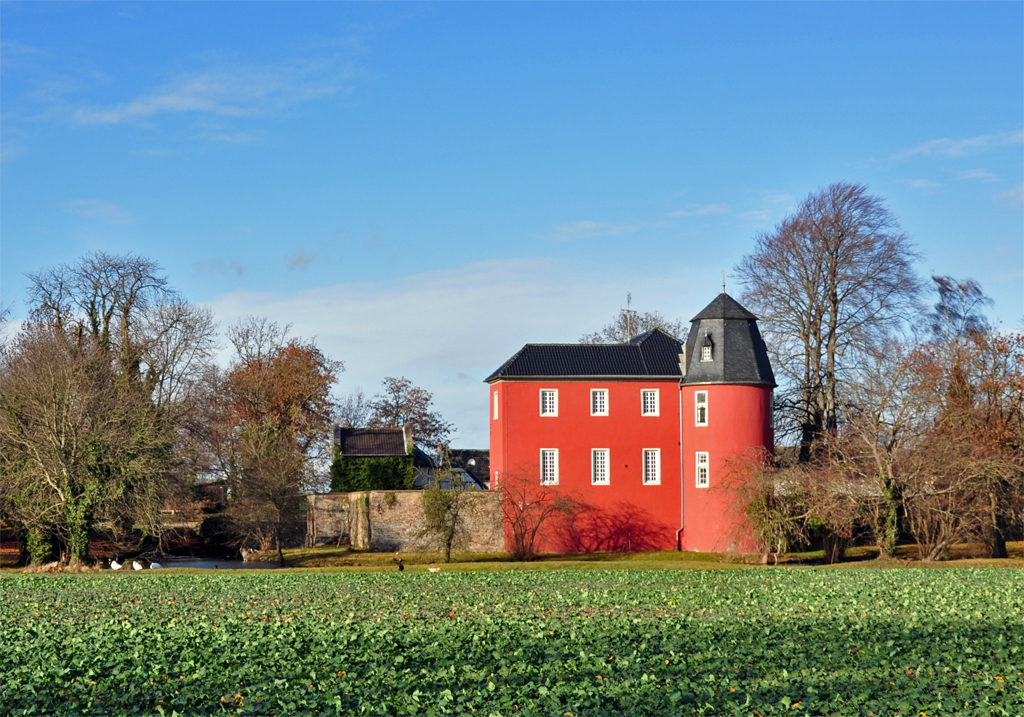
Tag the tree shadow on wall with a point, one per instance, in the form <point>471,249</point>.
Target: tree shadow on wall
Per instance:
<point>622,528</point>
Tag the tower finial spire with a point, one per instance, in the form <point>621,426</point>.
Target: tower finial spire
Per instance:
<point>723,281</point>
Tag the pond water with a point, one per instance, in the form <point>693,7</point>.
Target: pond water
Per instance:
<point>214,564</point>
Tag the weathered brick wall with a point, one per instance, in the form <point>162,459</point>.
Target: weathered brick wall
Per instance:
<point>392,521</point>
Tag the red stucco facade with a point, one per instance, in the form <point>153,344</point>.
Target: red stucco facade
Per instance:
<point>738,431</point>
<point>638,515</point>
<point>633,514</point>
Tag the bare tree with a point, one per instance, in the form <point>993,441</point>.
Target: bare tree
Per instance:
<point>975,379</point>
<point>446,506</point>
<point>354,410</point>
<point>829,284</point>
<point>121,352</point>
<point>400,404</point>
<point>789,505</point>
<point>180,348</point>
<point>529,511</point>
<point>76,444</point>
<point>628,324</point>
<point>941,504</point>
<point>257,339</point>
<point>106,297</point>
<point>888,417</point>
<point>957,315</point>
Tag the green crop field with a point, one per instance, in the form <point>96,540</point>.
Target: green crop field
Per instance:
<point>746,642</point>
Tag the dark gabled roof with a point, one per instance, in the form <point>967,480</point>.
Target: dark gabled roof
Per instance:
<point>724,307</point>
<point>371,441</point>
<point>739,354</point>
<point>653,354</point>
<point>479,469</point>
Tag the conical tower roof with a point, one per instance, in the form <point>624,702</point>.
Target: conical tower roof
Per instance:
<point>725,346</point>
<point>724,307</point>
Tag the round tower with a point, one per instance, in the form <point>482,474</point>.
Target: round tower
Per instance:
<point>726,405</point>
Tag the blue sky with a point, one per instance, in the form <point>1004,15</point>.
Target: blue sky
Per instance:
<point>427,187</point>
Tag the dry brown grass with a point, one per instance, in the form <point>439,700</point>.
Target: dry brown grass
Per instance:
<point>334,558</point>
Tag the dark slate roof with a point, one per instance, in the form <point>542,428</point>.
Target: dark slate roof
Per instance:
<point>480,469</point>
<point>724,307</point>
<point>739,355</point>
<point>370,441</point>
<point>654,354</point>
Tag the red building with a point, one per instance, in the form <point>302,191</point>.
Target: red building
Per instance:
<point>647,437</point>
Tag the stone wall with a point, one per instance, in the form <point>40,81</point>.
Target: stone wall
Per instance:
<point>391,521</point>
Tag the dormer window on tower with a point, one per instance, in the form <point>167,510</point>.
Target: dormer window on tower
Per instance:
<point>706,348</point>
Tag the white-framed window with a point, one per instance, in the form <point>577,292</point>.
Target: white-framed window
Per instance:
<point>649,403</point>
<point>495,405</point>
<point>549,402</point>
<point>549,466</point>
<point>599,402</point>
<point>703,470</point>
<point>705,353</point>
<point>700,407</point>
<point>652,466</point>
<point>599,466</point>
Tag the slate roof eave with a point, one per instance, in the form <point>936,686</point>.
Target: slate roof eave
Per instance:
<point>730,383</point>
<point>630,376</point>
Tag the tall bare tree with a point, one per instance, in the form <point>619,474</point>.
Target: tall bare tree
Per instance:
<point>829,283</point>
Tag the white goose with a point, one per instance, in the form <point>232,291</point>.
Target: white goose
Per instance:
<point>114,565</point>
<point>137,565</point>
<point>155,566</point>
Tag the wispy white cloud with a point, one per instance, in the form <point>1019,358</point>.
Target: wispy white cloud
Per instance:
<point>587,229</point>
<point>448,330</point>
<point>102,210</point>
<point>982,174</point>
<point>10,150</point>
<point>700,211</point>
<point>229,90</point>
<point>920,183</point>
<point>231,137</point>
<point>14,50</point>
<point>956,148</point>
<point>1014,196</point>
